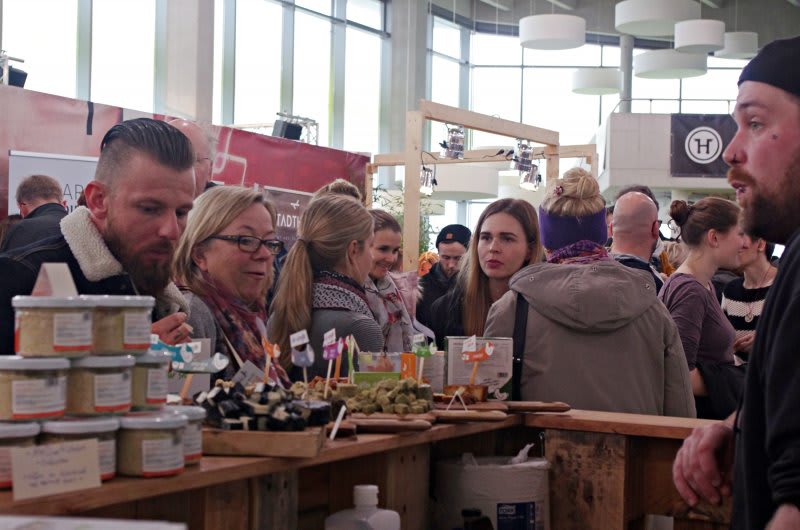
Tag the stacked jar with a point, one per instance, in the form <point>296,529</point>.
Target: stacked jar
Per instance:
<point>87,357</point>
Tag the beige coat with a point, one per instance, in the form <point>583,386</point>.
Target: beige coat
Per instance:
<point>597,338</point>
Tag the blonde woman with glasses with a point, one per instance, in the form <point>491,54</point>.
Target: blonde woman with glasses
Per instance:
<point>224,263</point>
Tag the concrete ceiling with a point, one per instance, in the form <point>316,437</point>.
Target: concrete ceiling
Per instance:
<point>771,19</point>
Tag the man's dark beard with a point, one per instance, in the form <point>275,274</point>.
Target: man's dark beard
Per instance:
<point>772,218</point>
<point>149,278</point>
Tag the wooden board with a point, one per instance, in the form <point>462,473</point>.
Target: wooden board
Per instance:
<point>458,416</point>
<point>488,405</point>
<point>303,444</point>
<point>537,406</point>
<point>389,425</point>
<point>429,417</point>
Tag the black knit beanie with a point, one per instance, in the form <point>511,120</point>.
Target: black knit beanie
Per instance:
<point>776,65</point>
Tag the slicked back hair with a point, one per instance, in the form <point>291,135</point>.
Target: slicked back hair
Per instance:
<point>155,138</point>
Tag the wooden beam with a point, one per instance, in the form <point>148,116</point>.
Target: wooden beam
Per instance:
<point>551,155</point>
<point>411,210</point>
<point>477,155</point>
<point>482,122</point>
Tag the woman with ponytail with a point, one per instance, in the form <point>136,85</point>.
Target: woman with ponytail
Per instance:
<point>322,281</point>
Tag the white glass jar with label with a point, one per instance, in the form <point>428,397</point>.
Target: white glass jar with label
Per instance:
<point>193,433</point>
<point>100,385</point>
<point>151,445</point>
<point>14,435</point>
<point>49,326</point>
<point>32,389</point>
<point>150,381</point>
<point>122,324</point>
<point>103,429</point>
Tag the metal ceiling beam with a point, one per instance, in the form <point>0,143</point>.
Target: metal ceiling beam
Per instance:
<point>716,4</point>
<point>497,4</point>
<point>569,5</point>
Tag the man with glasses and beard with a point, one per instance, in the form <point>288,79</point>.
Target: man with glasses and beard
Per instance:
<point>756,452</point>
<point>123,240</point>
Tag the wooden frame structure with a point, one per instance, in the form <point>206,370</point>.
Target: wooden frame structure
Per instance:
<point>411,158</point>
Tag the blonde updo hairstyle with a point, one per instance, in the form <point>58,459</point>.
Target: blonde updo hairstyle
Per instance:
<point>328,226</point>
<point>213,211</point>
<point>575,194</point>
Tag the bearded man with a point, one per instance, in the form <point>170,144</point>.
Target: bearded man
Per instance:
<point>123,240</point>
<point>756,452</point>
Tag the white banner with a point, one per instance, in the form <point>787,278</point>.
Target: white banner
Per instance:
<point>73,172</point>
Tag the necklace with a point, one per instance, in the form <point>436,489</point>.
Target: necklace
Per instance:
<point>749,316</point>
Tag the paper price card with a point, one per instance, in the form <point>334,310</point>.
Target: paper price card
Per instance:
<point>298,339</point>
<point>479,356</point>
<point>470,345</point>
<point>303,358</point>
<point>330,337</point>
<point>55,468</point>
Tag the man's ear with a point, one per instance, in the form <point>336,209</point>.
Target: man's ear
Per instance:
<point>97,199</point>
<point>655,229</point>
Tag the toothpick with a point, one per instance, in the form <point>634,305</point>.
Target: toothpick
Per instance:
<point>474,373</point>
<point>305,380</point>
<point>328,379</point>
<point>421,365</point>
<point>338,422</point>
<point>185,389</point>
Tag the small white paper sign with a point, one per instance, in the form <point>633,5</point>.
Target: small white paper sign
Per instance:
<point>248,373</point>
<point>54,468</point>
<point>54,280</point>
<point>329,337</point>
<point>471,344</point>
<point>298,339</point>
<point>418,338</point>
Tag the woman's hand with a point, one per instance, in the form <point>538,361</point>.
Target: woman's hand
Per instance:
<point>745,343</point>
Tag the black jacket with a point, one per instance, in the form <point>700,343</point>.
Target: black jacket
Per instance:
<point>633,263</point>
<point>433,286</point>
<point>20,267</point>
<point>40,224</point>
<point>447,316</point>
<point>767,469</point>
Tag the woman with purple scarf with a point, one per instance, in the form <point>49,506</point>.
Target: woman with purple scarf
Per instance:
<point>224,264</point>
<point>594,334</point>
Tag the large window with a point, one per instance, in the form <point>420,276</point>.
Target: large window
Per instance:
<point>123,53</point>
<point>257,93</point>
<point>46,43</point>
<point>496,92</point>
<point>362,91</point>
<point>312,70</point>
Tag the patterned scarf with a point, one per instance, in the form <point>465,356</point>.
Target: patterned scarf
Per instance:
<point>332,290</point>
<point>387,305</point>
<point>242,326</point>
<point>581,252</point>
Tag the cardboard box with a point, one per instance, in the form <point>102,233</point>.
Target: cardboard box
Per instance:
<point>495,372</point>
<point>434,371</point>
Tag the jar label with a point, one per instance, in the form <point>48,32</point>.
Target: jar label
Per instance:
<point>137,330</point>
<point>163,456</point>
<point>193,441</point>
<point>112,392</point>
<point>72,331</point>
<point>156,386</point>
<point>5,467</point>
<point>38,398</point>
<point>107,450</point>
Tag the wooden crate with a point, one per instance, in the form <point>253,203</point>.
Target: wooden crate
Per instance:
<point>302,444</point>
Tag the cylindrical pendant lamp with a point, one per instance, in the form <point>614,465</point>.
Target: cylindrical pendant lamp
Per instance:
<point>596,81</point>
<point>699,36</point>
<point>552,32</point>
<point>668,64</point>
<point>739,45</point>
<point>653,18</point>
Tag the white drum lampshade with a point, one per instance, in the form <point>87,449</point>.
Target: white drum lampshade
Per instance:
<point>699,36</point>
<point>668,64</point>
<point>739,45</point>
<point>552,32</point>
<point>596,81</point>
<point>653,18</point>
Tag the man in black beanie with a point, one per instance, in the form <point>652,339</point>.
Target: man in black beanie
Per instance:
<point>756,452</point>
<point>451,244</point>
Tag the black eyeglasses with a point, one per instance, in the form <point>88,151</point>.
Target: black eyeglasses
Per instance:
<point>251,244</point>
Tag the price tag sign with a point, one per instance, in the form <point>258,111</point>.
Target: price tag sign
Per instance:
<point>471,344</point>
<point>304,358</point>
<point>480,355</point>
<point>329,337</point>
<point>298,339</point>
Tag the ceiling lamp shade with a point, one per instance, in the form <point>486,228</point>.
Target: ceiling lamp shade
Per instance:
<point>668,64</point>
<point>653,18</point>
<point>552,32</point>
<point>596,81</point>
<point>699,36</point>
<point>739,45</point>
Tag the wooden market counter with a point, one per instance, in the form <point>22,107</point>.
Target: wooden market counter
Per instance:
<point>608,470</point>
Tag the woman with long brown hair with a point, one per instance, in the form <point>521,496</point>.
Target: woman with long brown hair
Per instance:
<point>505,240</point>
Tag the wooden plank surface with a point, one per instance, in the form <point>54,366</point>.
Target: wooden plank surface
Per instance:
<point>220,470</point>
<point>302,444</point>
<point>616,422</point>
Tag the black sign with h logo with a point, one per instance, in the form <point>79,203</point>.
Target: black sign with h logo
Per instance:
<point>697,144</point>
